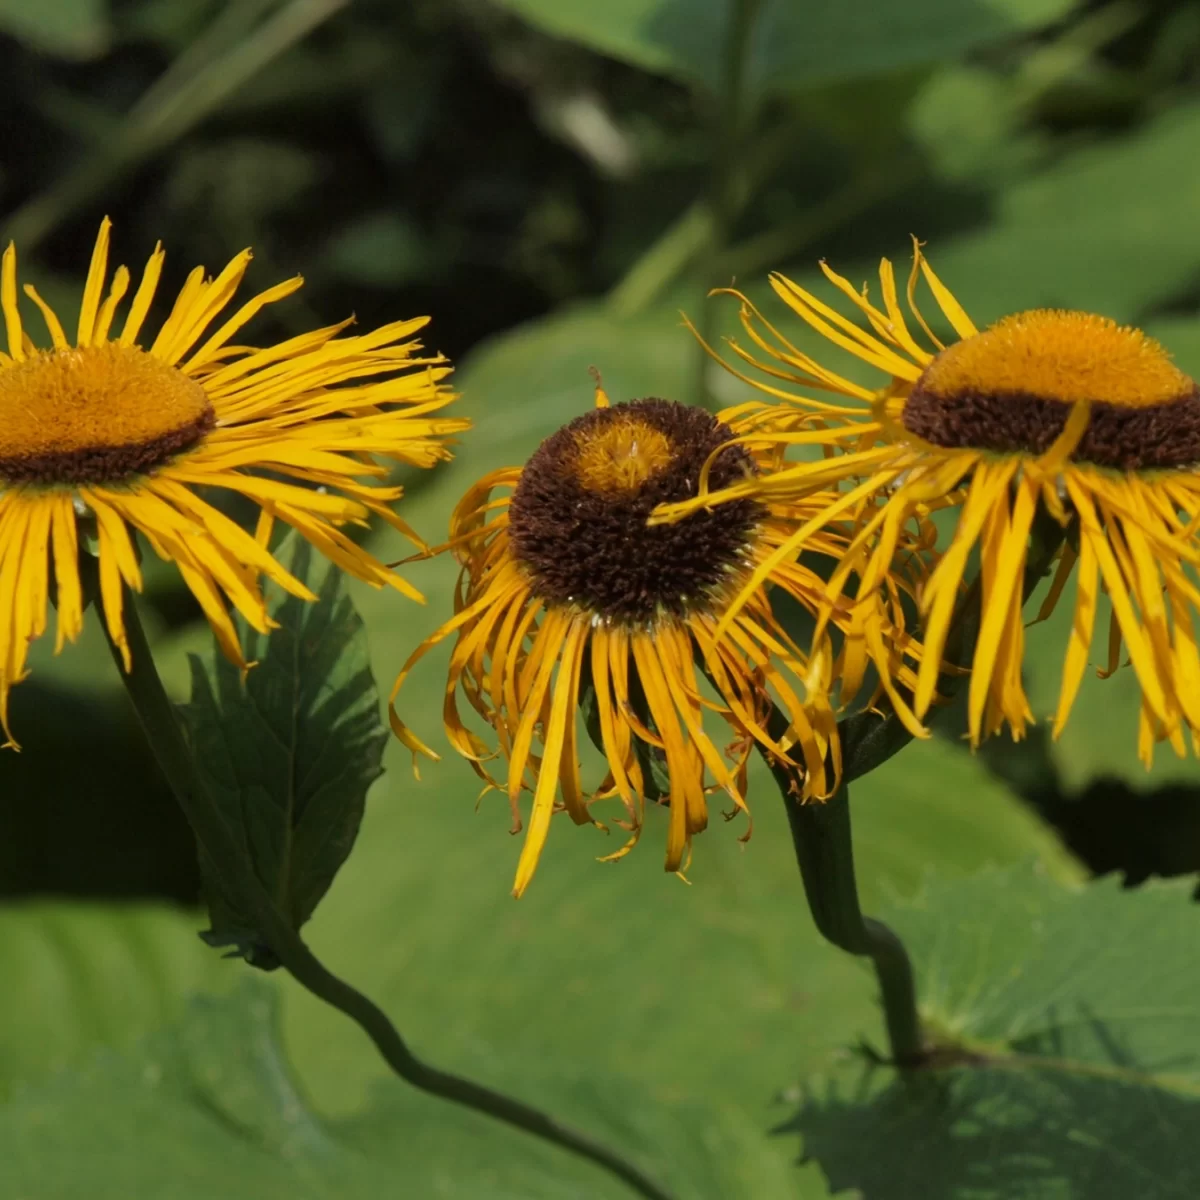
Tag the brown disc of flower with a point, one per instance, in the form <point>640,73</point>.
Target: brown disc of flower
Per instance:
<point>95,414</point>
<point>1010,388</point>
<point>578,515</point>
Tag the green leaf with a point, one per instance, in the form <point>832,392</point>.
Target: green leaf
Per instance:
<point>290,753</point>
<point>210,1107</point>
<point>81,976</point>
<point>1079,1067</point>
<point>793,45</point>
<point>67,28</point>
<point>381,249</point>
<point>936,804</point>
<point>967,121</point>
<point>521,387</point>
<point>1108,228</point>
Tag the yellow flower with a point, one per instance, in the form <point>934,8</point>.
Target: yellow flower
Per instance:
<point>568,599</point>
<point>124,431</point>
<point>1046,411</point>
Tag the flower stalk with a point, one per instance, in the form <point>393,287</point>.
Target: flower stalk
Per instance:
<point>821,833</point>
<point>728,187</point>
<point>232,867</point>
<point>821,836</point>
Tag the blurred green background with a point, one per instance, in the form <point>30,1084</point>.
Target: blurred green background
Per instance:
<point>553,181</point>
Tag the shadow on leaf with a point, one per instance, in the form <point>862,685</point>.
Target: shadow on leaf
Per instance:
<point>1024,1126</point>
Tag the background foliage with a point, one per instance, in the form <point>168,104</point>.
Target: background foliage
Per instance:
<point>539,175</point>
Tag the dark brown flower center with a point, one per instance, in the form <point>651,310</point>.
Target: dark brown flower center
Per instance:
<point>578,515</point>
<point>1010,390</point>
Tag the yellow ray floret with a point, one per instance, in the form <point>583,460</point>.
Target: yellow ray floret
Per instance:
<point>567,602</point>
<point>1045,413</point>
<point>122,431</point>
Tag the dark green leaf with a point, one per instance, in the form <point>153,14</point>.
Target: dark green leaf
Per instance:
<point>1078,1062</point>
<point>1051,243</point>
<point>793,45</point>
<point>694,984</point>
<point>69,28</point>
<point>290,753</point>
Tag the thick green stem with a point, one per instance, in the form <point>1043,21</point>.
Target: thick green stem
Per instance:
<point>727,190</point>
<point>825,854</point>
<point>217,842</point>
<point>821,832</point>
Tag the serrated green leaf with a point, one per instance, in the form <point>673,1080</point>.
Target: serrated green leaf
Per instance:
<point>1079,1062</point>
<point>793,45</point>
<point>68,28</point>
<point>290,753</point>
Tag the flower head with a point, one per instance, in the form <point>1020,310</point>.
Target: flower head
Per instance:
<point>1050,412</point>
<point>126,430</point>
<point>568,600</point>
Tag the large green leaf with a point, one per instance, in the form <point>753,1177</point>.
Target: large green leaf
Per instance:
<point>1109,228</point>
<point>1079,1068</point>
<point>289,753</point>
<point>655,991</point>
<point>209,1107</point>
<point>793,45</point>
<point>79,976</point>
<point>69,28</point>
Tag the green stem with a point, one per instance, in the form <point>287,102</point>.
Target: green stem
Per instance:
<point>825,854</point>
<point>727,190</point>
<point>821,832</point>
<point>691,233</point>
<point>775,246</point>
<point>161,725</point>
<point>183,97</point>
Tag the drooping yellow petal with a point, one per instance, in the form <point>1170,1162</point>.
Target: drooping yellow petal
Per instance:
<point>568,651</point>
<point>1001,596</point>
<point>1083,623</point>
<point>66,571</point>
